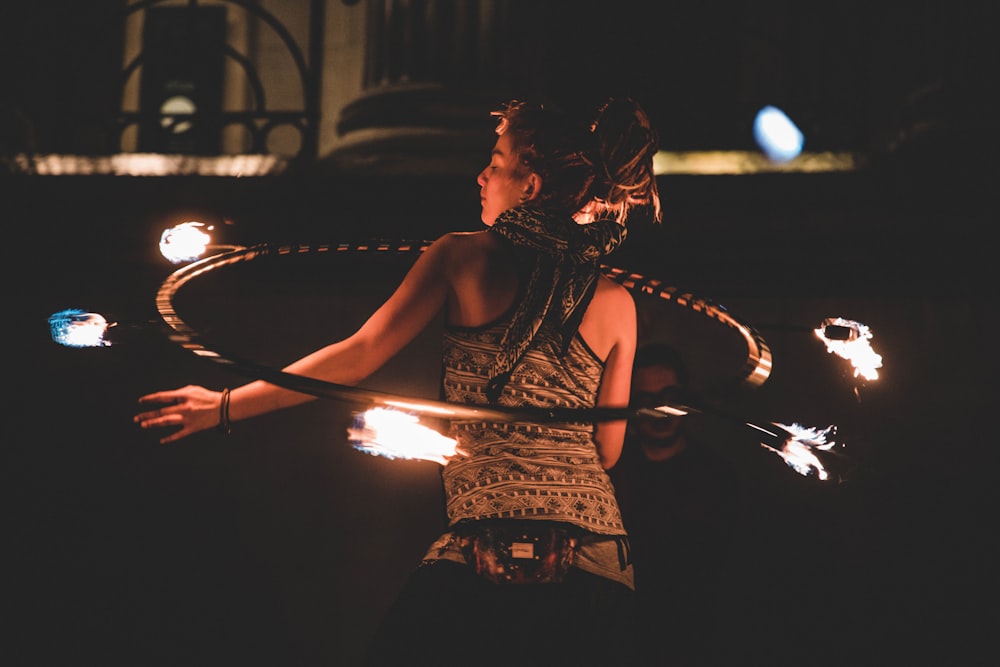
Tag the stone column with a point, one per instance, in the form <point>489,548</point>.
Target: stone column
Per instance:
<point>433,70</point>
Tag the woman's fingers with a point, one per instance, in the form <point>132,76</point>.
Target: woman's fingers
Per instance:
<point>173,437</point>
<point>158,418</point>
<point>161,397</point>
<point>149,414</point>
<point>187,410</point>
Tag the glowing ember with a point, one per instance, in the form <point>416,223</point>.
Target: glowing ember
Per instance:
<point>800,449</point>
<point>398,435</point>
<point>849,340</point>
<point>184,243</point>
<point>76,328</point>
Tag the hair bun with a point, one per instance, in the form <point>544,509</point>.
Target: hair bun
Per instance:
<point>625,143</point>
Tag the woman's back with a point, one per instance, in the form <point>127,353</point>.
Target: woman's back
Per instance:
<point>485,284</point>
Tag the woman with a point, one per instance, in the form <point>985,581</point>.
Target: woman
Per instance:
<point>533,567</point>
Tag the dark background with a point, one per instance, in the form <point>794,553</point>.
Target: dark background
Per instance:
<point>282,545</point>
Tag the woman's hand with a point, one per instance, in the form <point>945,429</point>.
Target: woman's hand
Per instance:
<point>192,408</point>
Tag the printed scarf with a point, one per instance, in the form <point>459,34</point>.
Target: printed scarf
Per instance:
<point>560,259</point>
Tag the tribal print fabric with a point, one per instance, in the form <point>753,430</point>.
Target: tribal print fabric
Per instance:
<point>541,471</point>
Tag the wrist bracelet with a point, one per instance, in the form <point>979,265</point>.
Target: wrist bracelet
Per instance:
<point>224,424</point>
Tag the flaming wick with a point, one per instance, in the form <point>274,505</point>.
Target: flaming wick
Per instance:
<point>75,328</point>
<point>801,447</point>
<point>806,450</point>
<point>187,242</point>
<point>399,435</point>
<point>849,340</point>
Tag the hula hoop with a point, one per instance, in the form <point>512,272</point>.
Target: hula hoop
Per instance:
<point>754,373</point>
<point>757,367</point>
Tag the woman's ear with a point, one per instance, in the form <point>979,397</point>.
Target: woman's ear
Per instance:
<point>532,186</point>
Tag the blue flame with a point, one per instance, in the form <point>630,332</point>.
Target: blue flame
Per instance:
<point>75,328</point>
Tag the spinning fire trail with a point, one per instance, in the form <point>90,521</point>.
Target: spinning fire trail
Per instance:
<point>390,426</point>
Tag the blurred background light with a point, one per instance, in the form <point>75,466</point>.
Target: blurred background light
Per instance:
<point>777,135</point>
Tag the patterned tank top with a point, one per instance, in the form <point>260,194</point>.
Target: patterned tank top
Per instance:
<point>545,471</point>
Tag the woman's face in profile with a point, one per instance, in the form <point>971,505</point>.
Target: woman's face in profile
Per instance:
<point>502,182</point>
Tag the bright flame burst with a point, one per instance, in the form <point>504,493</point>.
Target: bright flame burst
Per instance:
<point>855,348</point>
<point>75,328</point>
<point>399,435</point>
<point>184,243</point>
<point>799,451</point>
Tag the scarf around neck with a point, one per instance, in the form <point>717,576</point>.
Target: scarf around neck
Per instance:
<point>560,258</point>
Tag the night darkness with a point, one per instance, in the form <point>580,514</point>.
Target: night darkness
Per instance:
<point>281,545</point>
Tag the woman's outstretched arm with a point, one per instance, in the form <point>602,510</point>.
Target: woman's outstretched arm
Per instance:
<point>413,305</point>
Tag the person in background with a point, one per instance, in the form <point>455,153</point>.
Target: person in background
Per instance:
<point>679,502</point>
<point>533,567</point>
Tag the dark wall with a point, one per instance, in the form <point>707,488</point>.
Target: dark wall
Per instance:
<point>60,63</point>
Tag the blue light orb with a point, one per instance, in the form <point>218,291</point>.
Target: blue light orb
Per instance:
<point>777,135</point>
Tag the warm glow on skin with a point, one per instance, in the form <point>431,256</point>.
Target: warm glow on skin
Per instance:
<point>502,183</point>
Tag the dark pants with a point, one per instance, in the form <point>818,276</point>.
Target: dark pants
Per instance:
<point>446,614</point>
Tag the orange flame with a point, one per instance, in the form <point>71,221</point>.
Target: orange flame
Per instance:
<point>855,348</point>
<point>399,435</point>
<point>185,242</point>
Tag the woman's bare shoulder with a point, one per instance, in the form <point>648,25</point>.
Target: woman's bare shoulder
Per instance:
<point>613,292</point>
<point>467,248</point>
<point>482,275</point>
<point>468,239</point>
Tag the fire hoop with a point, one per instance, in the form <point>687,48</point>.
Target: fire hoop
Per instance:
<point>755,371</point>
